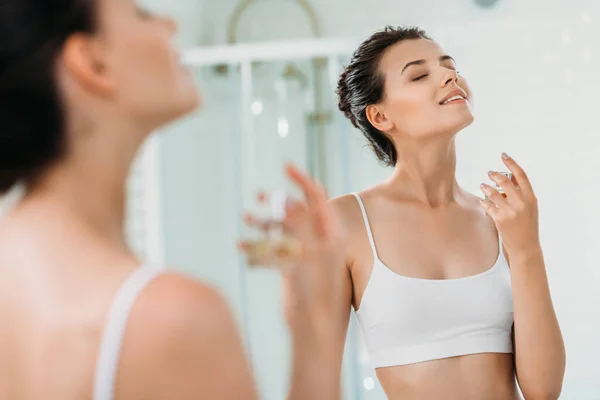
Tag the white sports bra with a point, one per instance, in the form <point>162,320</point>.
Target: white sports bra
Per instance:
<point>408,320</point>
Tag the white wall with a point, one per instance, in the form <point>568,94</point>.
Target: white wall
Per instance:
<point>531,66</point>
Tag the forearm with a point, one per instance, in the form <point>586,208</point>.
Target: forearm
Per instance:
<point>315,369</point>
<point>539,347</point>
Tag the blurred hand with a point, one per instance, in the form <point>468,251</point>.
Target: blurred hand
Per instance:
<point>312,282</point>
<point>516,215</point>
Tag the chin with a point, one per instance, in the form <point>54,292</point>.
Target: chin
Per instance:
<point>468,121</point>
<point>193,102</point>
<point>452,128</point>
<point>188,103</point>
<point>463,122</point>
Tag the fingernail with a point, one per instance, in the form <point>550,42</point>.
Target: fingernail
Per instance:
<point>505,156</point>
<point>490,173</point>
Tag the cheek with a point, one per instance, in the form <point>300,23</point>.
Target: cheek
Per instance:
<point>412,106</point>
<point>149,54</point>
<point>153,82</point>
<point>146,64</point>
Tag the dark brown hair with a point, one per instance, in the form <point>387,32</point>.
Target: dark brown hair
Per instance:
<point>32,120</point>
<point>362,84</point>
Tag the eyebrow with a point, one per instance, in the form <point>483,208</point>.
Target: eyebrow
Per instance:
<point>421,62</point>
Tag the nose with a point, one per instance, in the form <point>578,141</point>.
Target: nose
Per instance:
<point>449,76</point>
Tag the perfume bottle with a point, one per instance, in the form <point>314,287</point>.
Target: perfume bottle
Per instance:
<point>275,248</point>
<point>498,188</point>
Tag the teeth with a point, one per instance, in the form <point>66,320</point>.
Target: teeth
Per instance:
<point>457,97</point>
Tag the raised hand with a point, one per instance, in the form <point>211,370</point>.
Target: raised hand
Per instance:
<point>516,213</point>
<point>311,278</point>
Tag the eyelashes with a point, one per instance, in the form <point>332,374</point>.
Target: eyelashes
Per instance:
<point>421,77</point>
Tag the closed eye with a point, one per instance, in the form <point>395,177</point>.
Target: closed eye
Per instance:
<point>418,78</point>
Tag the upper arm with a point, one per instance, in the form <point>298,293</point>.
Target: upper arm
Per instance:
<point>342,206</point>
<point>182,343</point>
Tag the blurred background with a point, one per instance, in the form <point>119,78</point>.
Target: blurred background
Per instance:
<point>268,70</point>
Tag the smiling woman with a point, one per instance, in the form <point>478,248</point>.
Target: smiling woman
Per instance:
<point>360,87</point>
<point>453,301</point>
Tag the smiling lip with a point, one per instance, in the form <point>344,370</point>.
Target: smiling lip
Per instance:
<point>455,96</point>
<point>455,101</point>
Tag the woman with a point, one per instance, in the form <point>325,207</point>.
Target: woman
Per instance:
<point>82,85</point>
<point>433,280</point>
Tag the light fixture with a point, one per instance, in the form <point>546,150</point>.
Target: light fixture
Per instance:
<point>369,383</point>
<point>283,127</point>
<point>257,107</point>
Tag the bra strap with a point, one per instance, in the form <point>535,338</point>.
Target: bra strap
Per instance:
<point>114,331</point>
<point>367,225</point>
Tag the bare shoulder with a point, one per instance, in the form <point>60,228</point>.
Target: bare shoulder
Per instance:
<point>173,297</point>
<point>348,209</point>
<point>183,331</point>
<point>348,206</point>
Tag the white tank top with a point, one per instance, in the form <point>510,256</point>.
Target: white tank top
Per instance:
<point>114,330</point>
<point>408,320</point>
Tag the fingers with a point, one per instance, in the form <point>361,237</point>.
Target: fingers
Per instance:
<point>298,222</point>
<point>313,192</point>
<point>490,209</point>
<point>257,253</point>
<point>316,197</point>
<point>506,184</point>
<point>256,223</point>
<point>282,253</point>
<point>494,196</point>
<point>519,174</point>
<point>307,224</point>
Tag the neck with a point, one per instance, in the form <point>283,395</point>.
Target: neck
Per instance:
<point>89,185</point>
<point>426,172</point>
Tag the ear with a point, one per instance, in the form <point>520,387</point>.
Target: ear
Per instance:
<point>84,61</point>
<point>378,119</point>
